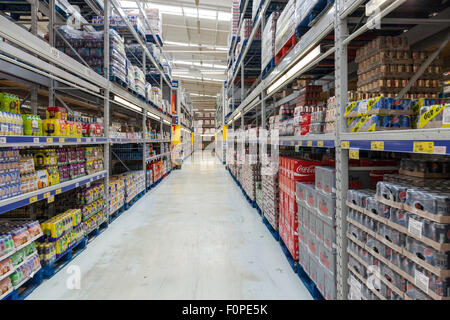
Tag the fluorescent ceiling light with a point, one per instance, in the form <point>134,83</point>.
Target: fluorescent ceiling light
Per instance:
<point>199,78</point>
<point>298,67</point>
<point>151,115</point>
<point>198,64</point>
<point>237,116</point>
<point>197,45</point>
<point>202,95</point>
<point>165,121</point>
<point>127,103</point>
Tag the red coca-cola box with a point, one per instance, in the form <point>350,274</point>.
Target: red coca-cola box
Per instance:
<point>305,170</point>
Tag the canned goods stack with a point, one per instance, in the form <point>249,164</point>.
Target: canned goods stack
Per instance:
<point>402,232</point>
<point>386,64</point>
<point>317,229</point>
<point>271,194</point>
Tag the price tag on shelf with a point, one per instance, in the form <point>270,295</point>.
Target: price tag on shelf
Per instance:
<point>353,154</point>
<point>88,184</point>
<point>320,144</point>
<point>46,195</point>
<point>300,143</point>
<point>423,147</point>
<point>377,145</point>
<point>77,185</point>
<point>345,144</point>
<point>58,191</point>
<point>79,140</point>
<point>49,140</point>
<point>309,144</point>
<point>297,149</point>
<point>61,140</point>
<point>33,199</point>
<point>292,143</point>
<point>3,140</point>
<point>51,199</point>
<point>35,140</point>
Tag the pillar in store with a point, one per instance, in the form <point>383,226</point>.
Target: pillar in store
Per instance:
<point>106,111</point>
<point>341,78</point>
<point>51,37</point>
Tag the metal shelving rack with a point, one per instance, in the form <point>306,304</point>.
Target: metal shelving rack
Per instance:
<point>31,61</point>
<point>257,105</point>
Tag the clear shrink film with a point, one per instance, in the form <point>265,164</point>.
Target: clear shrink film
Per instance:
<point>285,25</point>
<point>235,12</point>
<point>268,39</point>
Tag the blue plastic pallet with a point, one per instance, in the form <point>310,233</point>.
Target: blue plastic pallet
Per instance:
<point>272,231</point>
<point>116,214</point>
<point>315,13</point>
<point>292,262</point>
<point>309,284</point>
<point>268,69</point>
<point>51,269</point>
<point>118,81</point>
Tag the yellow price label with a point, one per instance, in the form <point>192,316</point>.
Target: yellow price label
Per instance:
<point>58,191</point>
<point>46,195</point>
<point>78,140</point>
<point>353,154</point>
<point>292,143</point>
<point>423,147</point>
<point>33,199</point>
<point>377,145</point>
<point>345,144</point>
<point>51,199</point>
<point>309,144</point>
<point>300,143</point>
<point>49,140</point>
<point>320,144</point>
<point>61,140</point>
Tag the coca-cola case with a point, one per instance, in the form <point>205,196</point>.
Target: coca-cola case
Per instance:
<point>312,244</point>
<point>301,188</point>
<point>330,286</point>
<point>304,170</point>
<point>321,279</point>
<point>327,258</point>
<point>303,255</point>
<point>329,236</point>
<point>313,265</point>
<point>326,179</point>
<point>319,229</point>
<point>326,206</point>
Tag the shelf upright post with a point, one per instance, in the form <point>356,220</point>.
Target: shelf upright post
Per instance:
<point>34,24</point>
<point>242,82</point>
<point>106,111</point>
<point>144,128</point>
<point>51,37</point>
<point>341,78</point>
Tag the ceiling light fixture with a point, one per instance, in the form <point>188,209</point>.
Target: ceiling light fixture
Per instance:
<point>127,103</point>
<point>151,115</point>
<point>298,67</point>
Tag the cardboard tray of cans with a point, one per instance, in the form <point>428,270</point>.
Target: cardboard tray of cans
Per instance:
<point>394,268</point>
<point>378,275</point>
<point>412,257</point>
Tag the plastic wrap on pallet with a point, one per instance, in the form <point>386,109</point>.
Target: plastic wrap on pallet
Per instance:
<point>285,25</point>
<point>268,39</point>
<point>235,14</point>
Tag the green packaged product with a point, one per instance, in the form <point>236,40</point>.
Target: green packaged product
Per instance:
<point>17,258</point>
<point>32,125</point>
<point>9,103</point>
<point>29,249</point>
<point>16,277</point>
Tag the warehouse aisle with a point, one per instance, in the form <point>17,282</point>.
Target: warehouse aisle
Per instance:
<point>192,237</point>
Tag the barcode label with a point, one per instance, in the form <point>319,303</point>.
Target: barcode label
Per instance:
<point>446,116</point>
<point>415,227</point>
<point>421,281</point>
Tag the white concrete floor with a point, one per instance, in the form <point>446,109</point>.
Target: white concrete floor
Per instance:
<point>193,237</point>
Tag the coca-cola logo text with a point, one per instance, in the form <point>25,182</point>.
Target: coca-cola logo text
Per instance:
<point>305,170</point>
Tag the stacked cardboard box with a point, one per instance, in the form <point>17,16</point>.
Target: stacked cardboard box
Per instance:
<point>268,39</point>
<point>271,194</point>
<point>285,25</point>
<point>116,197</point>
<point>291,171</point>
<point>235,14</point>
<point>317,230</point>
